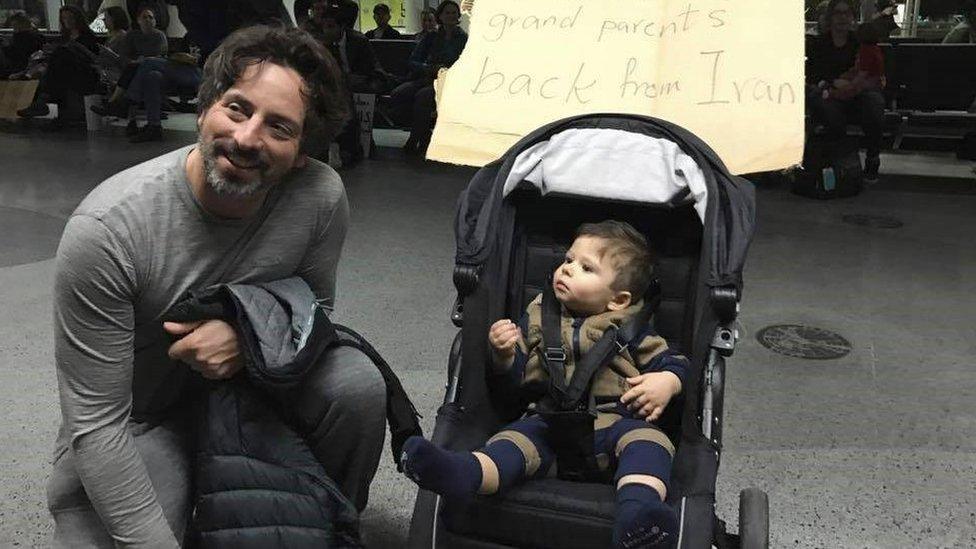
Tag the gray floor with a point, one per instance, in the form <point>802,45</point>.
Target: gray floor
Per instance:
<point>872,450</point>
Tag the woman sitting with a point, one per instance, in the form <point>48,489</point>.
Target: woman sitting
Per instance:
<point>70,68</point>
<point>435,51</point>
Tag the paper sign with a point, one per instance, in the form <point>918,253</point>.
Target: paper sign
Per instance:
<point>729,71</point>
<point>365,107</point>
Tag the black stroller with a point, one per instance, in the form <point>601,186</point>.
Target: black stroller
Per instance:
<point>510,234</point>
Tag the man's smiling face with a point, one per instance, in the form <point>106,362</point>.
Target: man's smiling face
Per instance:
<point>250,138</point>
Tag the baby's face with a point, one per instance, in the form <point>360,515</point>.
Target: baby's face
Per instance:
<point>582,282</point>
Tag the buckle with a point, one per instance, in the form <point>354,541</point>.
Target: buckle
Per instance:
<point>621,347</point>
<point>555,353</point>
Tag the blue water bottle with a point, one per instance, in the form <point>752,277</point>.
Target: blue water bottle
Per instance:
<point>829,179</point>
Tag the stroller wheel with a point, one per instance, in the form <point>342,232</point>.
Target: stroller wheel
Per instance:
<point>753,519</point>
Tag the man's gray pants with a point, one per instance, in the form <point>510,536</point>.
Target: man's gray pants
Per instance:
<point>341,411</point>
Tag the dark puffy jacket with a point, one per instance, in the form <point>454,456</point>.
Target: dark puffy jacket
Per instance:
<point>257,484</point>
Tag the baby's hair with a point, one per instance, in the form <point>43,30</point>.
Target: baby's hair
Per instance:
<point>628,253</point>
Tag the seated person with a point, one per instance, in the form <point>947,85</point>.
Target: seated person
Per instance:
<point>832,55</point>
<point>331,23</point>
<point>428,24</point>
<point>868,72</point>
<point>25,41</point>
<point>145,40</point>
<point>436,51</point>
<point>383,30</point>
<point>70,68</point>
<point>598,285</point>
<point>965,31</point>
<point>129,51</point>
<point>153,80</point>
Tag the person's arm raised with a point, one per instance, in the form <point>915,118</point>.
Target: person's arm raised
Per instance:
<point>94,337</point>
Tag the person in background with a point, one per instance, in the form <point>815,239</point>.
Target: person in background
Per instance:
<point>109,63</point>
<point>868,72</point>
<point>965,31</point>
<point>832,55</point>
<point>428,24</point>
<point>331,24</point>
<point>883,18</point>
<point>159,8</point>
<point>383,30</point>
<point>145,40</point>
<point>138,45</point>
<point>25,41</point>
<point>434,52</point>
<point>70,68</point>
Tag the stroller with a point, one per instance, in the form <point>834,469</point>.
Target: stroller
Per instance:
<point>513,225</point>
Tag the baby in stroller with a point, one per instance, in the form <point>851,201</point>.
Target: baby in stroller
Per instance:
<point>599,287</point>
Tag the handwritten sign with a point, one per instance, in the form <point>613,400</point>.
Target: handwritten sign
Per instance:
<point>365,104</point>
<point>729,71</point>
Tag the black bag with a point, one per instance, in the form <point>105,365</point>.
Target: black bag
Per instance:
<point>831,169</point>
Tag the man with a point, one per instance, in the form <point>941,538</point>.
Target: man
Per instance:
<point>965,31</point>
<point>242,205</point>
<point>331,23</point>
<point>25,41</point>
<point>383,30</point>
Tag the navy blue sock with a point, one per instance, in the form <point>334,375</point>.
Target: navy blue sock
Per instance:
<point>450,474</point>
<point>643,520</point>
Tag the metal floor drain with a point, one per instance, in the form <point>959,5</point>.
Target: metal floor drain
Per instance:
<point>803,342</point>
<point>874,221</point>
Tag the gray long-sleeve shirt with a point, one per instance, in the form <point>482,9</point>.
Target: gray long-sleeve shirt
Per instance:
<point>130,251</point>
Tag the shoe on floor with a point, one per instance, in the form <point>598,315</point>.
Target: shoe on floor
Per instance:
<point>871,167</point>
<point>34,110</point>
<point>149,132</point>
<point>118,109</point>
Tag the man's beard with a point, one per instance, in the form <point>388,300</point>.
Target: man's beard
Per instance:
<point>219,184</point>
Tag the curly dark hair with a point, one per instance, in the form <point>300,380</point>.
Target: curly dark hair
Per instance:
<point>120,19</point>
<point>326,100</point>
<point>628,253</point>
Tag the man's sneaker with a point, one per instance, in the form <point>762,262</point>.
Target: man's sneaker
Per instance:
<point>871,167</point>
<point>34,110</point>
<point>149,132</point>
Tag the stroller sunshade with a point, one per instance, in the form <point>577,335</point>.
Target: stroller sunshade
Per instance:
<point>611,164</point>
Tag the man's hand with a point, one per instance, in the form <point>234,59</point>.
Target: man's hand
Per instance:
<point>650,393</point>
<point>207,346</point>
<point>503,336</point>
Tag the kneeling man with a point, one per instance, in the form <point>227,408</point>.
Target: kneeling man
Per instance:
<point>245,204</point>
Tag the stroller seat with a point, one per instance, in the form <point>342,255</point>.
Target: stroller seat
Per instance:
<point>575,511</point>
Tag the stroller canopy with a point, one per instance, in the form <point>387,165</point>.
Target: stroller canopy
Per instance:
<point>616,157</point>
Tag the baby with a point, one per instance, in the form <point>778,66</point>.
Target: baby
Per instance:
<point>600,282</point>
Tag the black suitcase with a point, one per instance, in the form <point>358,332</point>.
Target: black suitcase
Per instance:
<point>831,169</point>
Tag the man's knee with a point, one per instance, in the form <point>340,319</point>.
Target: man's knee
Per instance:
<point>346,386</point>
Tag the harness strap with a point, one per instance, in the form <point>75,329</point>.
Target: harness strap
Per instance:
<point>554,355</point>
<point>614,341</point>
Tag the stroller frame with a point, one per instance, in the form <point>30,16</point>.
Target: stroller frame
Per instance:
<point>482,278</point>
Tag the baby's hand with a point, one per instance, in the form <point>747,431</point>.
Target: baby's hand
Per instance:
<point>503,336</point>
<point>650,393</point>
